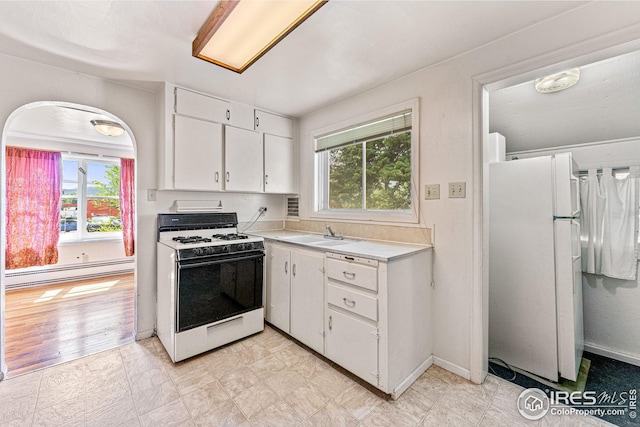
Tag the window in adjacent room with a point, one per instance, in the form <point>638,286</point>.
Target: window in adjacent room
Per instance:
<point>90,205</point>
<point>368,170</point>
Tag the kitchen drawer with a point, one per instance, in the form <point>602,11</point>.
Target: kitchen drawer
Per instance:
<point>355,274</point>
<point>355,302</point>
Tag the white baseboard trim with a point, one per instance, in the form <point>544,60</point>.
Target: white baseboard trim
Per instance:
<point>144,335</point>
<point>406,383</point>
<point>54,274</point>
<point>452,367</point>
<point>612,354</point>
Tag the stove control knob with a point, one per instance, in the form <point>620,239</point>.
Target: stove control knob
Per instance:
<point>209,250</point>
<point>198,251</point>
<point>225,248</point>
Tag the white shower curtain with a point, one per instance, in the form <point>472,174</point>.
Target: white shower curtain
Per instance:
<point>610,223</point>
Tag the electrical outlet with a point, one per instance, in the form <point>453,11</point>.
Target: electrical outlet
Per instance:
<point>431,191</point>
<point>457,190</point>
<point>151,195</point>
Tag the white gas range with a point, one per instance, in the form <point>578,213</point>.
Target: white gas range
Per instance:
<point>210,282</point>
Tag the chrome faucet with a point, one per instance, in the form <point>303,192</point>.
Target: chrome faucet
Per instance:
<point>330,234</point>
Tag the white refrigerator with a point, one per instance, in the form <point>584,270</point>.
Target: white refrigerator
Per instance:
<point>535,277</point>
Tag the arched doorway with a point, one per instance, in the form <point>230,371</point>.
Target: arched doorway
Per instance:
<point>91,253</point>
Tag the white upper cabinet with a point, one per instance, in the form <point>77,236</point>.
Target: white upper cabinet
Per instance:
<point>198,154</point>
<point>273,124</point>
<point>211,144</point>
<point>205,107</point>
<point>243,160</point>
<point>241,116</point>
<point>278,164</point>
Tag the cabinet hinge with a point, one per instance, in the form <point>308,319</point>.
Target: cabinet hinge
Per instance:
<point>376,334</point>
<point>376,375</point>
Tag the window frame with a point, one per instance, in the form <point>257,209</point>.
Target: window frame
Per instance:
<point>82,235</point>
<point>321,171</point>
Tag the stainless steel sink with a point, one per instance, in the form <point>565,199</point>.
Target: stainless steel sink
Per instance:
<point>329,243</point>
<point>306,238</point>
<point>316,240</point>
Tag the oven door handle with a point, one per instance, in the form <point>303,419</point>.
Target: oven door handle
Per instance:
<point>182,266</point>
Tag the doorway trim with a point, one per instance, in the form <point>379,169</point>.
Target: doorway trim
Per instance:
<point>3,213</point>
<point>577,55</point>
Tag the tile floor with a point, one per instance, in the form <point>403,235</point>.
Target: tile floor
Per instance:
<point>264,380</point>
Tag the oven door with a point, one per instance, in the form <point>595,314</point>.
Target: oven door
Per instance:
<point>215,288</point>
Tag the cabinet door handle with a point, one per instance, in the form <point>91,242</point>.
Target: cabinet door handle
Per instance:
<point>349,275</point>
<point>227,176</point>
<point>228,115</point>
<point>294,270</point>
<point>349,302</point>
<point>266,179</point>
<point>217,176</point>
<point>286,267</point>
<point>257,121</point>
<point>330,323</point>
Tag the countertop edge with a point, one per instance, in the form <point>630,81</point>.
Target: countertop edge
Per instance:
<point>407,249</point>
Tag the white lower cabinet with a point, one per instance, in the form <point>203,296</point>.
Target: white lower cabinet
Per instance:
<point>295,293</point>
<point>353,344</point>
<point>369,316</point>
<point>278,304</point>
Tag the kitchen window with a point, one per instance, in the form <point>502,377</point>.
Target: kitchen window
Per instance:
<point>90,207</point>
<point>368,169</point>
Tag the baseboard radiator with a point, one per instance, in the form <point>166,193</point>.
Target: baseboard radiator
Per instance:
<point>49,275</point>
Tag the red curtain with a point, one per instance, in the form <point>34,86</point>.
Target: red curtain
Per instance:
<point>128,204</point>
<point>34,182</point>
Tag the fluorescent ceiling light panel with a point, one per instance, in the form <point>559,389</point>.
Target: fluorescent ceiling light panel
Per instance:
<point>239,32</point>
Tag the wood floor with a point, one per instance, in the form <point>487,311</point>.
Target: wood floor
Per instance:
<point>48,325</point>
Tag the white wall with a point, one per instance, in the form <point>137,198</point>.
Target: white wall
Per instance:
<point>449,152</point>
<point>611,314</point>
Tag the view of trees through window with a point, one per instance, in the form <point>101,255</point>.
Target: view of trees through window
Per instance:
<point>373,175</point>
<point>90,199</point>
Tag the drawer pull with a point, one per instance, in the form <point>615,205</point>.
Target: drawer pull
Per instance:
<point>349,275</point>
<point>350,258</point>
<point>330,323</point>
<point>349,302</point>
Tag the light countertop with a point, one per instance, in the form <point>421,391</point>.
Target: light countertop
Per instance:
<point>382,251</point>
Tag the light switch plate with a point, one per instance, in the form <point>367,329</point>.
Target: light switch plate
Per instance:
<point>432,191</point>
<point>457,190</point>
<point>151,195</point>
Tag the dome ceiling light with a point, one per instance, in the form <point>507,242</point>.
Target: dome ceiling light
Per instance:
<point>107,127</point>
<point>557,82</point>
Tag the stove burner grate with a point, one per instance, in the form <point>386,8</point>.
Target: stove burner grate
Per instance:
<point>230,236</point>
<point>191,239</point>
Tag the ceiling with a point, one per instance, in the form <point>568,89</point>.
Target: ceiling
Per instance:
<point>603,106</point>
<point>67,123</point>
<point>345,48</point>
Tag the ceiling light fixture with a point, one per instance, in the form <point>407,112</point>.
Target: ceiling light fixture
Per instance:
<point>238,33</point>
<point>108,128</point>
<point>558,82</point>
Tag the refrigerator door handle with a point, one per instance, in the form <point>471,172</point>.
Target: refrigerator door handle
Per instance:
<point>575,181</point>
